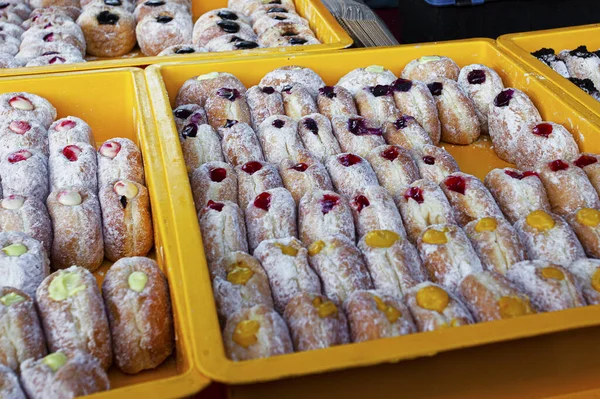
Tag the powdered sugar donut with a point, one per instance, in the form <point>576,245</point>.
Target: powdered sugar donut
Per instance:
<point>270,8</point>
<point>584,223</point>
<point>18,134</point>
<point>254,177</point>
<point>182,49</point>
<point>405,132</point>
<point>214,181</point>
<point>357,134</point>
<point>322,214</point>
<point>377,103</point>
<point>589,163</point>
<point>11,29</point>
<point>195,90</point>
<point>335,101</point>
<point>223,230</point>
<point>11,18</point>
<point>545,141</point>
<point>9,44</point>
<point>250,6</point>
<point>27,215</point>
<point>52,14</point>
<point>158,6</point>
<point>482,84</point>
<point>21,9</point>
<point>350,173</point>
<point>240,144</point>
<point>431,67</point>
<point>42,48</point>
<point>127,5</point>
<point>340,265</point>
<point>288,75</point>
<point>359,78</point>
<point>119,159</point>
<point>264,102</point>
<point>23,262</point>
<point>220,14</point>
<point>108,31</point>
<point>279,138</point>
<point>68,33</point>
<point>9,61</point>
<point>161,29</point>
<point>272,19</point>
<point>548,57</point>
<point>585,272</point>
<point>225,104</point>
<point>54,59</point>
<point>200,144</point>
<point>24,172</point>
<point>288,34</point>
<point>206,32</point>
<point>316,132</point>
<point>582,64</point>
<point>373,209</point>
<point>69,130</point>
<point>189,113</point>
<point>27,106</point>
<point>297,101</point>
<point>435,163</point>
<point>57,3</point>
<point>394,167</point>
<point>73,165</point>
<point>303,177</point>
<point>231,42</point>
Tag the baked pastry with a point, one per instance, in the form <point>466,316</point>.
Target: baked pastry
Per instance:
<point>335,101</point>
<point>23,338</point>
<point>249,7</point>
<point>239,282</point>
<point>373,209</point>
<point>205,32</point>
<point>582,64</point>
<point>469,198</point>
<point>288,34</point>
<point>254,177</point>
<point>264,102</point>
<point>27,215</point>
<point>279,138</point>
<point>482,85</point>
<point>126,220</point>
<point>584,223</point>
<point>143,9</point>
<point>518,193</point>
<point>315,322</point>
<point>585,272</point>
<point>589,163</point>
<point>303,177</point>
<point>350,173</point>
<point>406,132</point>
<point>223,229</point>
<point>161,29</point>
<point>340,266</point>
<point>195,90</point>
<point>435,163</point>
<point>548,237</point>
<point>456,112</point>
<point>35,36</point>
<point>109,31</point>
<point>21,134</point>
<point>189,114</point>
<point>8,61</point>
<point>42,48</point>
<point>27,106</point>
<point>567,186</point>
<point>324,213</point>
<point>377,103</point>
<point>255,333</point>
<point>119,159</point>
<point>286,263</point>
<point>77,226</point>
<point>298,101</point>
<point>423,204</point>
<point>545,141</point>
<point>9,384</point>
<point>69,130</point>
<point>63,374</point>
<point>290,74</point>
<point>138,307</point>
<point>53,59</point>
<point>9,44</point>
<point>548,57</point>
<point>496,243</point>
<point>490,296</point>
<point>316,132</point>
<point>182,49</point>
<point>231,42</point>
<point>11,29</point>
<point>394,167</point>
<point>549,286</point>
<point>271,19</point>
<point>435,308</point>
<point>447,255</point>
<point>356,134</point>
<point>259,10</point>
<point>372,315</point>
<point>240,144</point>
<point>25,173</point>
<point>271,215</point>
<point>200,144</point>
<point>414,98</point>
<point>221,14</point>
<point>430,68</point>
<point>51,14</point>
<point>73,314</point>
<point>73,165</point>
<point>359,78</point>
<point>510,114</point>
<point>224,104</point>
<point>11,17</point>
<point>393,262</point>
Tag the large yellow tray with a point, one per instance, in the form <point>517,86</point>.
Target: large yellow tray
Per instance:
<point>325,26</point>
<point>521,45</point>
<point>164,81</point>
<point>115,104</point>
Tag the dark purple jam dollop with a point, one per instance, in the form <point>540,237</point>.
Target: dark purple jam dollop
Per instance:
<point>402,85</point>
<point>107,18</point>
<point>276,9</point>
<point>296,41</point>
<point>328,91</point>
<point>504,98</point>
<point>245,44</point>
<point>380,90</point>
<point>311,125</point>
<point>359,127</point>
<point>268,90</point>
<point>476,77</point>
<point>182,113</point>
<point>429,160</point>
<point>224,14</point>
<point>229,26</point>
<point>164,19</point>
<point>278,123</point>
<point>435,88</point>
<point>190,130</point>
<point>229,94</point>
<point>185,50</point>
<point>582,52</point>
<point>230,123</point>
<point>401,122</point>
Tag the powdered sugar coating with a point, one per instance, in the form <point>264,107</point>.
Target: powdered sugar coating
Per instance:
<point>592,170</point>
<point>201,148</point>
<point>66,171</point>
<point>373,209</point>
<point>367,322</point>
<point>24,272</point>
<point>77,322</point>
<point>359,78</point>
<point>455,314</point>
<point>430,68</point>
<point>261,9</point>
<point>154,34</point>
<point>9,61</point>
<point>589,236</point>
<point>273,336</point>
<point>220,109</point>
<point>393,172</point>
<point>188,113</point>
<point>546,293</point>
<point>288,274</point>
<point>340,266</point>
<point>263,104</point>
<point>54,59</point>
<point>9,44</point>
<point>348,180</point>
<point>419,103</point>
<point>269,20</point>
<point>376,108</point>
<point>323,213</point>
<point>583,271</point>
<point>223,231</point>
<point>240,144</point>
<point>33,52</point>
<point>195,90</point>
<point>443,164</point>
<point>288,34</point>
<point>394,269</point>
<point>126,165</point>
<point>533,149</point>
<point>448,263</point>
<point>18,134</point>
<point>9,384</point>
<point>279,138</point>
<point>287,75</point>
<point>309,329</point>
<point>65,33</point>
<point>27,178</point>
<point>300,182</point>
<point>298,101</point>
<point>42,112</point>
<point>146,8</point>
<point>107,40</point>
<point>431,208</point>
<point>205,32</point>
<point>11,29</point>
<point>61,133</point>
<point>582,67</point>
<point>31,218</point>
<point>252,184</point>
<point>406,132</point>
<point>181,49</point>
<point>558,244</point>
<point>215,16</point>
<point>321,143</point>
<point>338,102</point>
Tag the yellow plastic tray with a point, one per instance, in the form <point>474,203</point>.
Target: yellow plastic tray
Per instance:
<point>521,45</point>
<point>115,104</point>
<point>325,26</point>
<point>164,81</point>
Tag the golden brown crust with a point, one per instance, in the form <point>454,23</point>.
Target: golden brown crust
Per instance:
<point>587,231</point>
<point>263,103</point>
<point>141,323</point>
<point>591,166</point>
<point>107,40</point>
<point>430,68</point>
<point>405,132</point>
<point>224,104</point>
<point>376,103</point>
<point>335,101</point>
<point>298,101</point>
<point>195,90</point>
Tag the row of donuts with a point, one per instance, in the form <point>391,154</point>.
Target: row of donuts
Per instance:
<point>580,66</point>
<point>219,174</point>
<point>82,205</point>
<point>60,342</point>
